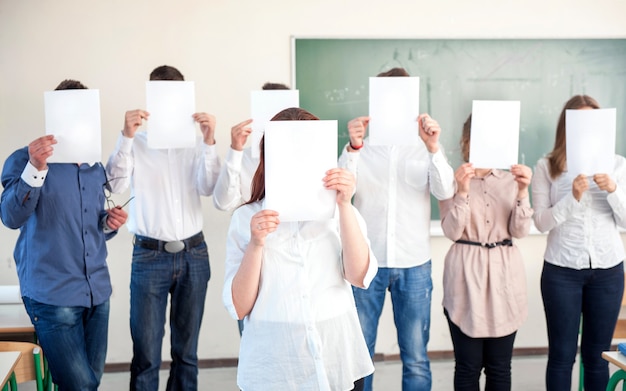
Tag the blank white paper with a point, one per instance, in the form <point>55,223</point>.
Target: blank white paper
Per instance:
<point>394,104</point>
<point>590,141</point>
<point>264,105</point>
<point>171,105</point>
<point>297,156</point>
<point>494,141</point>
<point>73,117</point>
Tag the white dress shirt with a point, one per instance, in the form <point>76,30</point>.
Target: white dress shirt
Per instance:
<point>166,183</point>
<point>582,234</point>
<point>393,185</point>
<point>233,184</point>
<point>303,332</point>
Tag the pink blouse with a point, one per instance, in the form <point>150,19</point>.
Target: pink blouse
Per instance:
<point>484,289</point>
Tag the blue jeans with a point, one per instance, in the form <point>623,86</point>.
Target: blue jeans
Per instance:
<point>411,290</point>
<point>471,355</point>
<point>568,293</point>
<point>74,341</point>
<point>155,275</point>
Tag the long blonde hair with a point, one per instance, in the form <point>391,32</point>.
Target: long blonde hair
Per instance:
<point>557,158</point>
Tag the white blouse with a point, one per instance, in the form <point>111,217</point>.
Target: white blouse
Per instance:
<point>303,332</point>
<point>582,234</point>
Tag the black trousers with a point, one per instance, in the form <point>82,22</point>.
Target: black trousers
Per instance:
<point>471,355</point>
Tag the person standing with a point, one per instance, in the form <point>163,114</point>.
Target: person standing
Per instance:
<point>233,184</point>
<point>291,281</point>
<point>60,255</point>
<point>392,194</point>
<point>484,283</point>
<point>583,270</point>
<point>170,256</point>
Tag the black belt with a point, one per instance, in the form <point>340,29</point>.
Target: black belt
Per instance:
<point>505,242</point>
<point>170,247</point>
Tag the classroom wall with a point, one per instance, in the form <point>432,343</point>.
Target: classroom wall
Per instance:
<point>229,48</point>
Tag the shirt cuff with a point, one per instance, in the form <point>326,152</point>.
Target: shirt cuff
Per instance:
<point>105,226</point>
<point>438,157</point>
<point>32,176</point>
<point>210,150</point>
<point>234,159</point>
<point>125,144</point>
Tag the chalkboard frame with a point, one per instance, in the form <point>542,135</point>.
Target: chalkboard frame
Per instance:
<point>332,76</point>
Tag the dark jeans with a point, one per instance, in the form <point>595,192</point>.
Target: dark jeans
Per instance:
<point>568,293</point>
<point>471,355</point>
<point>155,276</point>
<point>74,341</point>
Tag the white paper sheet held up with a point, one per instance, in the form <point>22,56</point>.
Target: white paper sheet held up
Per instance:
<point>590,141</point>
<point>494,134</point>
<point>393,109</point>
<point>73,117</point>
<point>264,105</point>
<point>297,156</point>
<point>171,105</point>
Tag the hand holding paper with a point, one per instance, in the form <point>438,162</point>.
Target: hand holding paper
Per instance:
<point>463,175</point>
<point>580,186</point>
<point>132,121</point>
<point>429,132</point>
<point>356,131</point>
<point>343,182</point>
<point>207,126</point>
<point>239,134</point>
<point>262,224</point>
<point>40,150</point>
<point>605,182</point>
<point>522,174</point>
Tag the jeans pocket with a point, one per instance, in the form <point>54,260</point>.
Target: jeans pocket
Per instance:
<point>141,254</point>
<point>200,251</point>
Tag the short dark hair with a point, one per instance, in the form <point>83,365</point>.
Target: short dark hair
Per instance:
<point>166,72</point>
<point>274,86</point>
<point>394,72</point>
<point>69,84</point>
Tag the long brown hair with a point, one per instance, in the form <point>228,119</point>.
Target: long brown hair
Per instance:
<point>465,138</point>
<point>258,181</point>
<point>557,158</point>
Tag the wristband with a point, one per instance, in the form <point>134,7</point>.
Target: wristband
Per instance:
<point>355,148</point>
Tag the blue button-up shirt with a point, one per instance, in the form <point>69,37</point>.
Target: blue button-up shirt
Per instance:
<point>61,251</point>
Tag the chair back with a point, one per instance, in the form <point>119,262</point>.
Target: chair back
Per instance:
<point>25,370</point>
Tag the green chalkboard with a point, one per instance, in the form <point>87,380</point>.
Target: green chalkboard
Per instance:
<point>332,76</point>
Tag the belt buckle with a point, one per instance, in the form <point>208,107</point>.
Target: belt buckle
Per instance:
<point>175,246</point>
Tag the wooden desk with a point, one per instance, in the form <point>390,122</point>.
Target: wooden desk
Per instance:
<point>620,360</point>
<point>14,322</point>
<point>8,361</point>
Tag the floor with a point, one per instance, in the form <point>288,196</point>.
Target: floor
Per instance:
<point>527,375</point>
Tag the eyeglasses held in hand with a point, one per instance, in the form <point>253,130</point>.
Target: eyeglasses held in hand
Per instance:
<point>107,194</point>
